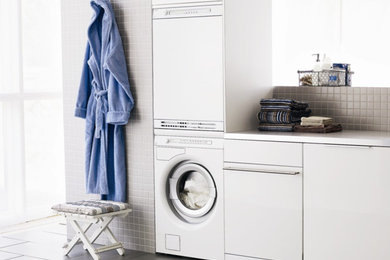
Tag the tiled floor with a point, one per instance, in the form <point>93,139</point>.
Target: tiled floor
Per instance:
<point>44,242</point>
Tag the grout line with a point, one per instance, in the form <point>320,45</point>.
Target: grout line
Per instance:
<point>32,224</point>
<point>17,255</point>
<point>55,233</point>
<point>18,243</point>
<point>26,255</point>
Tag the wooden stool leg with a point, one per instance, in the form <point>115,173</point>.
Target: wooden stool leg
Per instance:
<point>102,225</point>
<point>69,246</point>
<point>113,240</point>
<point>84,239</point>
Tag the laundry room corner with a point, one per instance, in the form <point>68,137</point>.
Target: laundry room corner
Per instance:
<point>194,130</point>
<point>133,17</point>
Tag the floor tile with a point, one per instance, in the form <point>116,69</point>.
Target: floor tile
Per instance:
<point>4,242</point>
<point>39,237</point>
<point>56,228</point>
<point>36,250</point>
<point>27,258</point>
<point>6,255</point>
<point>45,243</point>
<point>109,255</point>
<point>161,257</point>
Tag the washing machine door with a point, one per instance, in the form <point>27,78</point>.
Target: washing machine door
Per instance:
<point>192,191</point>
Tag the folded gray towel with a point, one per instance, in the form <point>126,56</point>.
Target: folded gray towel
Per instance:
<point>282,104</point>
<point>282,117</point>
<point>276,127</point>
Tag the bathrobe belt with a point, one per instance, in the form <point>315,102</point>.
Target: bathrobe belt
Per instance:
<point>101,109</point>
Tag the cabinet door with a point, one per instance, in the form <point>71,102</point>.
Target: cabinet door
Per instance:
<point>346,202</point>
<point>263,215</point>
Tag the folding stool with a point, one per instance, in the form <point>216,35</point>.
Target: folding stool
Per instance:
<point>98,213</point>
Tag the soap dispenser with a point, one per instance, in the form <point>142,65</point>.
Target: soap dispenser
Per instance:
<point>317,65</point>
<point>326,63</point>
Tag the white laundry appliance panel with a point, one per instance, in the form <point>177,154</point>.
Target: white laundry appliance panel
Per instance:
<point>170,2</point>
<point>188,68</point>
<point>192,235</point>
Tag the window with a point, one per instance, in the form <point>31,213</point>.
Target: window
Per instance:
<point>349,31</point>
<point>31,124</point>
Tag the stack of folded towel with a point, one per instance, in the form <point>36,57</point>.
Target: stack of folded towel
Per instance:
<point>281,114</point>
<point>317,124</point>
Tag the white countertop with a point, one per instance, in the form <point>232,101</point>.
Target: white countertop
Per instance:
<point>345,137</point>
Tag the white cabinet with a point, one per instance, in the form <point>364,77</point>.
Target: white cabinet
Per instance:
<point>263,215</point>
<point>236,257</point>
<point>266,153</point>
<point>263,202</point>
<point>346,202</point>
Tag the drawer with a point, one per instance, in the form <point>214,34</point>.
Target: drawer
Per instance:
<point>263,214</point>
<point>259,152</point>
<point>236,257</point>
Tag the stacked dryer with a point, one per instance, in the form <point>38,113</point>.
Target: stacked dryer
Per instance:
<point>190,59</point>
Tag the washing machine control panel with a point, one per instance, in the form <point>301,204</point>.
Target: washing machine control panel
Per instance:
<point>188,142</point>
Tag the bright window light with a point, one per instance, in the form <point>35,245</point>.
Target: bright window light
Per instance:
<point>31,120</point>
<point>348,31</point>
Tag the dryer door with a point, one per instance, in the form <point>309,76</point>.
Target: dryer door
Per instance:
<point>192,191</point>
<point>188,68</point>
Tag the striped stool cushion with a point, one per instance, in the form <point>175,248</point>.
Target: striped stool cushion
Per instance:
<point>91,207</point>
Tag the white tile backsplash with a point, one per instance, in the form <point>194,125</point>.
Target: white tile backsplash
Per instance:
<point>356,108</point>
<point>135,24</point>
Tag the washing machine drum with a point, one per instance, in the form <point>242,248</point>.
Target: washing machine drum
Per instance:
<point>192,191</point>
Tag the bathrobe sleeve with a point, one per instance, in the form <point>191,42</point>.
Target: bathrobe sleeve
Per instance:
<point>85,87</point>
<point>120,99</point>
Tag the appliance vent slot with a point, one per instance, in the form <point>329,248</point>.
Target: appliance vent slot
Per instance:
<point>172,124</point>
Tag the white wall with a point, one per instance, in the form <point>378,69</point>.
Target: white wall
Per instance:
<point>134,21</point>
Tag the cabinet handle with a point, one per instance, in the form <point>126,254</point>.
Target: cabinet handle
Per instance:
<point>363,147</point>
<point>262,171</point>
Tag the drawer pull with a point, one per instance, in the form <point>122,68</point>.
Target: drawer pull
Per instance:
<point>364,147</point>
<point>262,171</point>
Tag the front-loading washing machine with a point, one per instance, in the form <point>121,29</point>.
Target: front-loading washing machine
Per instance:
<point>189,196</point>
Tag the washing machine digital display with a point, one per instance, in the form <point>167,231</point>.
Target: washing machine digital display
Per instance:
<point>192,191</point>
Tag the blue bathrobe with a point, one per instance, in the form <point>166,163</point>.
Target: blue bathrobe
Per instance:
<point>105,101</point>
